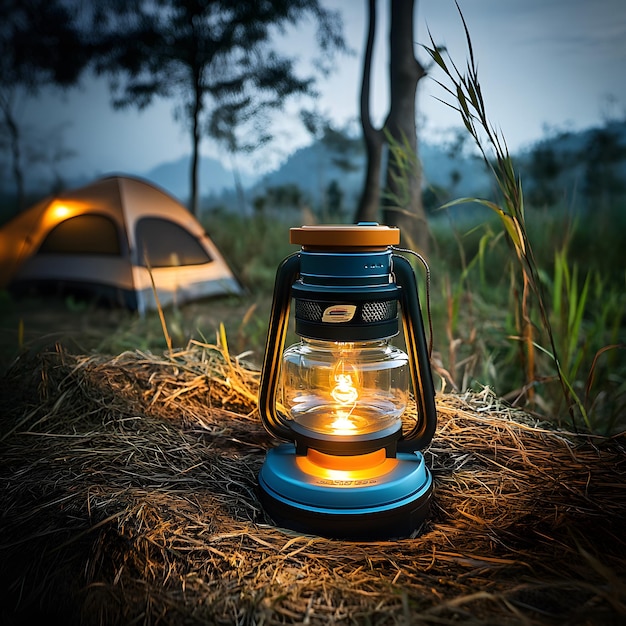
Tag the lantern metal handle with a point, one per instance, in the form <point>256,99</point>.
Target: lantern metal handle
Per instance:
<point>277,424</point>
<point>424,429</point>
<point>273,420</point>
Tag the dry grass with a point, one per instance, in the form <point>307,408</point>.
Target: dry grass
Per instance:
<point>128,496</point>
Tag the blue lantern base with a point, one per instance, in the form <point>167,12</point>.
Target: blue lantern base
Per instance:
<point>389,502</point>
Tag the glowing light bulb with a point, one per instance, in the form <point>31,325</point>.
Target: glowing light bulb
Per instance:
<point>345,394</point>
<point>344,391</point>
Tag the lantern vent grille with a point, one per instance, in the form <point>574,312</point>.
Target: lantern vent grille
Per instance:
<point>366,313</point>
<point>309,310</point>
<point>379,311</point>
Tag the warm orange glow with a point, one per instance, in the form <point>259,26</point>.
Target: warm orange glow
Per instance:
<point>346,469</point>
<point>343,425</point>
<point>60,211</point>
<point>346,395</point>
<point>358,461</point>
<point>344,391</point>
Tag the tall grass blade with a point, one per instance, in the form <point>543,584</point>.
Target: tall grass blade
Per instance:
<point>466,89</point>
<point>166,334</point>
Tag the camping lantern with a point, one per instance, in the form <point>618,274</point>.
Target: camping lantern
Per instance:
<point>347,467</point>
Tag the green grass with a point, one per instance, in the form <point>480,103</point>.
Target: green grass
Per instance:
<point>473,304</point>
<point>254,246</point>
<point>558,330</point>
<point>477,329</point>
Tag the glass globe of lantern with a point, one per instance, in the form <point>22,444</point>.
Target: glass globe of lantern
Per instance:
<point>342,390</point>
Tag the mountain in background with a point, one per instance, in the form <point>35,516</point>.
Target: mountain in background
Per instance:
<point>562,168</point>
<point>569,164</point>
<point>585,169</point>
<point>214,178</point>
<point>314,168</point>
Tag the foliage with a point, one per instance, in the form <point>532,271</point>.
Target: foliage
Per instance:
<point>477,330</point>
<point>215,57</point>
<point>544,169</point>
<point>41,44</point>
<point>534,320</point>
<point>238,238</point>
<point>334,198</point>
<point>583,171</point>
<point>396,196</point>
<point>341,144</point>
<point>602,152</point>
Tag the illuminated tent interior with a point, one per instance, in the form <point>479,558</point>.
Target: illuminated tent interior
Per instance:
<point>120,240</point>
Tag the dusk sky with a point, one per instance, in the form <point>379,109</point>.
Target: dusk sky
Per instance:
<point>555,64</point>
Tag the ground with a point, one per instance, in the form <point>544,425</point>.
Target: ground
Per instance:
<point>32,323</point>
<point>128,495</point>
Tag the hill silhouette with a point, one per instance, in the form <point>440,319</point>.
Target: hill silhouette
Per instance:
<point>565,168</point>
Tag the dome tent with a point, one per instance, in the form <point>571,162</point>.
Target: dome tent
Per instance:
<point>118,239</point>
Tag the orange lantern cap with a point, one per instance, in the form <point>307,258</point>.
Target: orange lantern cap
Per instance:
<point>345,236</point>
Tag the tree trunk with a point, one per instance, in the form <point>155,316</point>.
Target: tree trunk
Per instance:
<point>194,200</point>
<point>240,191</point>
<point>369,202</point>
<point>403,194</point>
<point>16,157</point>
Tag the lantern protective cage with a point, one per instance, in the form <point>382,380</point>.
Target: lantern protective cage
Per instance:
<point>347,468</point>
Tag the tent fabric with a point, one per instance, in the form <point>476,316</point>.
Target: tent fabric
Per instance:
<point>119,238</point>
